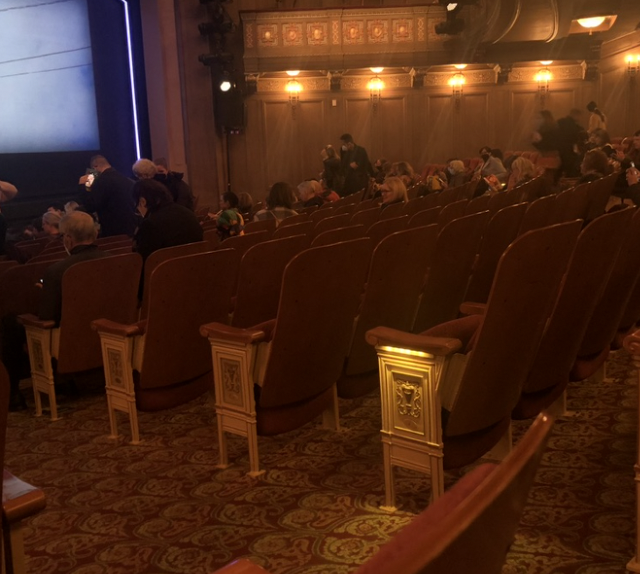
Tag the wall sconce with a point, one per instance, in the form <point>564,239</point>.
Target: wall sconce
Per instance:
<point>375,87</point>
<point>293,88</point>
<point>543,78</point>
<point>457,82</point>
<point>592,22</point>
<point>633,64</point>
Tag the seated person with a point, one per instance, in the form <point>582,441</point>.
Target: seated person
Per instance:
<point>522,170</point>
<point>165,223</point>
<point>279,203</point>
<point>229,221</point>
<point>404,171</point>
<point>78,235</point>
<point>307,195</point>
<point>51,224</point>
<point>633,180</point>
<point>331,172</point>
<point>490,165</point>
<point>323,191</point>
<point>245,204</point>
<point>392,191</point>
<point>456,173</point>
<point>595,165</point>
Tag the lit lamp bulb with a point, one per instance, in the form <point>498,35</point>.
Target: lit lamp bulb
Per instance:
<point>293,73</point>
<point>546,62</point>
<point>459,66</point>
<point>377,70</point>
<point>591,22</point>
<point>225,86</point>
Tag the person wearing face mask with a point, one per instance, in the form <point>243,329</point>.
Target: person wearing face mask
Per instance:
<point>174,180</point>
<point>490,165</point>
<point>356,167</point>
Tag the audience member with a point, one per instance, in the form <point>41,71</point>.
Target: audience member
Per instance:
<point>110,197</point>
<point>230,221</point>
<point>279,203</point>
<point>174,180</point>
<point>392,190</point>
<point>570,137</point>
<point>144,169</point>
<point>165,223</point>
<point>381,169</point>
<point>404,171</point>
<point>456,173</point>
<point>545,138</point>
<point>597,120</point>
<point>327,194</point>
<point>245,204</point>
<point>356,167</point>
<point>331,168</point>
<point>51,223</point>
<point>522,171</point>
<point>71,206</point>
<point>308,196</point>
<point>595,165</point>
<point>490,165</point>
<point>633,180</point>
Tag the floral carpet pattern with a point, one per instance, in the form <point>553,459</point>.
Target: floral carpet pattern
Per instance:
<point>163,506</point>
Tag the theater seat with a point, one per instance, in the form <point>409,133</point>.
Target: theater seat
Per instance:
<point>447,394</point>
<point>106,287</point>
<point>469,529</point>
<point>275,377</point>
<point>162,361</point>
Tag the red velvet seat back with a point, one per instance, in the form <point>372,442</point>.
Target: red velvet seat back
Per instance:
<point>378,231</point>
<point>260,279</point>
<point>599,193</point>
<point>391,211</point>
<point>294,219</point>
<point>477,204</point>
<point>327,210</point>
<point>588,272</point>
<point>162,255</point>
<point>458,243</point>
<point>520,302</point>
<point>425,217</point>
<point>6,265</point>
<point>20,288</point>
<point>540,213</point>
<point>501,231</point>
<point>333,222</point>
<point>104,288</point>
<point>337,235</point>
<point>608,313</point>
<point>447,196</point>
<point>451,211</point>
<point>242,243</point>
<point>366,217</point>
<point>185,293</point>
<point>304,228</point>
<point>321,293</point>
<point>504,199</point>
<point>534,189</point>
<point>367,204</point>
<point>268,225</point>
<point>398,267</point>
<point>572,203</point>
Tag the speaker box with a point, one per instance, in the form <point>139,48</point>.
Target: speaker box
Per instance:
<point>229,109</point>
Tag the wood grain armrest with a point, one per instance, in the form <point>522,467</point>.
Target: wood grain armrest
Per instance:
<point>471,308</point>
<point>20,499</point>
<point>439,346</point>
<point>632,342</point>
<point>234,334</point>
<point>114,328</point>
<point>30,320</point>
<point>241,566</point>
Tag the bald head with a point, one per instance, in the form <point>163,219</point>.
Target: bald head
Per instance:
<point>78,228</point>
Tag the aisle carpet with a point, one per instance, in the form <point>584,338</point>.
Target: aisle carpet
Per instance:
<point>164,507</point>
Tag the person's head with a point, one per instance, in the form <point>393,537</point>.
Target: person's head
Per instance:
<point>523,168</point>
<point>328,152</point>
<point>99,163</point>
<point>392,190</point>
<point>162,167</point>
<point>51,222</point>
<point>594,161</point>
<point>280,195</point>
<point>150,196</point>
<point>347,142</point>
<point>144,169</point>
<point>70,206</point>
<point>485,152</point>
<point>404,171</point>
<point>456,166</point>
<point>497,152</point>
<point>379,164</point>
<point>599,137</point>
<point>229,200</point>
<point>306,190</point>
<point>56,208</point>
<point>636,140</point>
<point>576,114</point>
<point>245,202</point>
<point>592,106</point>
<point>77,228</point>
<point>547,117</point>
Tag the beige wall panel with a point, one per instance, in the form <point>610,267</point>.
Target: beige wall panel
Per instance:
<point>521,118</point>
<point>310,138</point>
<point>357,120</point>
<point>391,130</point>
<point>473,124</point>
<point>281,148</point>
<point>620,103</point>
<point>439,138</point>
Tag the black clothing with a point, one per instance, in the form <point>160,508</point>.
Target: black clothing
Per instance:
<point>358,178</point>
<point>111,198</point>
<point>570,135</point>
<point>180,191</point>
<point>170,225</point>
<point>3,232</point>
<point>51,300</point>
<point>332,176</point>
<point>315,200</point>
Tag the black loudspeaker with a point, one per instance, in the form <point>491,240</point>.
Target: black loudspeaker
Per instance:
<point>229,109</point>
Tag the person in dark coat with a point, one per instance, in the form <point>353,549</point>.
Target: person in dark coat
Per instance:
<point>571,135</point>
<point>356,167</point>
<point>110,197</point>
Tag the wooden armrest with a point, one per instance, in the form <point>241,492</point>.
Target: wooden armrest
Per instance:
<point>20,499</point>
<point>113,328</point>
<point>235,334</point>
<point>439,346</point>
<point>30,320</point>
<point>632,343</point>
<point>241,566</point>
<point>471,308</point>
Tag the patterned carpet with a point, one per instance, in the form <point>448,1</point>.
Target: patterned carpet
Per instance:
<point>163,507</point>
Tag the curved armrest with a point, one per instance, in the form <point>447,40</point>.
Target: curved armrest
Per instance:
<point>30,320</point>
<point>234,334</point>
<point>20,499</point>
<point>113,328</point>
<point>471,308</point>
<point>632,343</point>
<point>439,346</point>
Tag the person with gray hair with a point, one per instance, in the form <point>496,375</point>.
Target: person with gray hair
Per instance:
<point>78,236</point>
<point>51,223</point>
<point>144,169</point>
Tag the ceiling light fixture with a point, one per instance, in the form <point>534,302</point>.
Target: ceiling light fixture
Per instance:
<point>293,73</point>
<point>592,22</point>
<point>459,66</point>
<point>546,62</point>
<point>377,70</point>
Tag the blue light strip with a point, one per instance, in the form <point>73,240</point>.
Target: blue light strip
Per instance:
<point>131,75</point>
